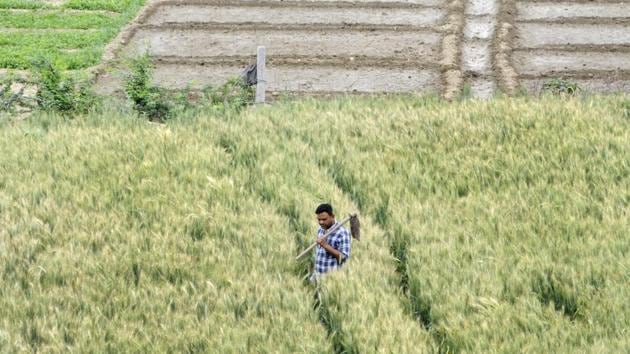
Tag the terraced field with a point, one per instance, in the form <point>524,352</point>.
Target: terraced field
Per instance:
<point>331,47</point>
<point>324,47</point>
<point>313,47</point>
<point>587,42</point>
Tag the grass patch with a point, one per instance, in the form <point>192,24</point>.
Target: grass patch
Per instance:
<point>78,39</point>
<point>56,19</point>
<point>109,5</point>
<point>23,4</point>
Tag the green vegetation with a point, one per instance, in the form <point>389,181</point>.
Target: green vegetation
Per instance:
<point>234,94</point>
<point>488,209</point>
<point>7,96</point>
<point>12,99</point>
<point>59,93</point>
<point>561,87</point>
<point>66,50</point>
<point>23,4</point>
<point>147,99</point>
<point>56,19</point>
<point>158,104</point>
<point>487,227</point>
<point>108,5</point>
<point>72,36</point>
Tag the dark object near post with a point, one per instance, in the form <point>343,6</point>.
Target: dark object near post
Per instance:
<point>249,75</point>
<point>254,74</point>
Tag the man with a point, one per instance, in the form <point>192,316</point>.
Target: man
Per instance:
<point>332,251</point>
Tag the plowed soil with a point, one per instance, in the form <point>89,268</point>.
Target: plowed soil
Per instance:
<point>333,47</point>
<point>586,42</point>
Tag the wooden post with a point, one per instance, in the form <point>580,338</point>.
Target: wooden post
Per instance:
<point>261,86</point>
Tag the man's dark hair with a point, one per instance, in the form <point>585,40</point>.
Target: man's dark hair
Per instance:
<point>324,208</point>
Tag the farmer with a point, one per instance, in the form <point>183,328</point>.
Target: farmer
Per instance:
<point>332,251</point>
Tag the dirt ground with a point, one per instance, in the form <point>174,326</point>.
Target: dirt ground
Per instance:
<point>446,46</point>
<point>586,42</point>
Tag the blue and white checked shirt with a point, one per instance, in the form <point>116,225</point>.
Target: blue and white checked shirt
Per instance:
<point>339,240</point>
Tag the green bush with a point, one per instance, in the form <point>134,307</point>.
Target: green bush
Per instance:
<point>58,92</point>
<point>234,94</point>
<point>561,87</point>
<point>147,99</point>
<point>6,96</point>
<point>12,98</point>
<point>158,104</point>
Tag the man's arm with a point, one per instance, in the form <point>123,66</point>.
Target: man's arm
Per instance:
<point>330,249</point>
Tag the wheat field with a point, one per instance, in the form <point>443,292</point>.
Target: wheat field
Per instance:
<point>497,226</point>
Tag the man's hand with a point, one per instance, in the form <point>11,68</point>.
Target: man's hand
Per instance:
<point>322,241</point>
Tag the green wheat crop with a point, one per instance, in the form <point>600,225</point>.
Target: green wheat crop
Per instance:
<point>486,227</point>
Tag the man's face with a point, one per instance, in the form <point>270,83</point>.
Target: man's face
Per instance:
<point>325,220</point>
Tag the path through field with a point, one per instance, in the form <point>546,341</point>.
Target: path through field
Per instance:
<point>330,47</point>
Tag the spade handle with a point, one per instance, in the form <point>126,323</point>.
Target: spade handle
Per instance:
<point>324,236</point>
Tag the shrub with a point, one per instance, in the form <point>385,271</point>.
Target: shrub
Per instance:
<point>58,92</point>
<point>7,97</point>
<point>234,93</point>
<point>561,87</point>
<point>147,99</point>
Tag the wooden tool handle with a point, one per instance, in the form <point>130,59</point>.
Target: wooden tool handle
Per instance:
<point>324,236</point>
<point>306,251</point>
